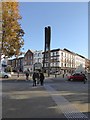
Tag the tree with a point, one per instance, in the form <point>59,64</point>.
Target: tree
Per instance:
<point>12,36</point>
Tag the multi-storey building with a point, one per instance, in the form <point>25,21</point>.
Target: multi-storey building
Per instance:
<point>28,60</point>
<point>79,60</point>
<point>87,64</point>
<point>55,58</point>
<point>37,60</point>
<point>64,60</point>
<point>68,60</point>
<point>16,63</point>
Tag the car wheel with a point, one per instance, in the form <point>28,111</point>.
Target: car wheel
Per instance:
<point>5,76</point>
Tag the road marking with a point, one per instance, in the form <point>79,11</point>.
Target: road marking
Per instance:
<point>64,105</point>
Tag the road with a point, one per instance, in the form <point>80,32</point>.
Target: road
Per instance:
<point>58,98</point>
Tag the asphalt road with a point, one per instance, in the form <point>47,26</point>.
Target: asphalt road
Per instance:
<point>58,98</point>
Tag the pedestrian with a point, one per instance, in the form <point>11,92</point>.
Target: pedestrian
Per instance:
<point>41,78</point>
<point>63,75</point>
<point>37,77</point>
<point>85,78</point>
<point>17,73</point>
<point>27,74</point>
<point>34,78</point>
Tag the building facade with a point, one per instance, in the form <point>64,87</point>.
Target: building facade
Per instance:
<point>16,63</point>
<point>64,60</point>
<point>37,60</point>
<point>28,60</point>
<point>68,61</point>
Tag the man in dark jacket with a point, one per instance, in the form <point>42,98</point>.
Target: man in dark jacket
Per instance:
<point>34,78</point>
<point>85,78</point>
<point>27,74</point>
<point>41,78</point>
<point>37,77</point>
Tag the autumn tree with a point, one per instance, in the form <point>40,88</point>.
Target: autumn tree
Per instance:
<point>12,36</point>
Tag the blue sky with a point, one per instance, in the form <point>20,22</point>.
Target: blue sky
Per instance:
<point>68,21</point>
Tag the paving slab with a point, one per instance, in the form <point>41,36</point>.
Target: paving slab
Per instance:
<point>33,102</point>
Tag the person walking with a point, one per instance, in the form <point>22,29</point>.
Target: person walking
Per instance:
<point>27,74</point>
<point>18,73</point>
<point>85,78</point>
<point>42,78</point>
<point>34,78</point>
<point>37,77</point>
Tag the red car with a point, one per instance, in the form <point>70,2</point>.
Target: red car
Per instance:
<point>77,76</point>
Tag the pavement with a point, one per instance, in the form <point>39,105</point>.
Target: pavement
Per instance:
<point>58,98</point>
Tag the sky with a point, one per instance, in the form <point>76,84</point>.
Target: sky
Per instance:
<point>68,22</point>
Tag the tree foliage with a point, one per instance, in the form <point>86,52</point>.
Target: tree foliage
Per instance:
<point>12,37</point>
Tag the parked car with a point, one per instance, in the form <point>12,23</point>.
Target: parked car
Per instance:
<point>77,76</point>
<point>5,75</point>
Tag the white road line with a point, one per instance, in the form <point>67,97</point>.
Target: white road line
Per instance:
<point>65,106</point>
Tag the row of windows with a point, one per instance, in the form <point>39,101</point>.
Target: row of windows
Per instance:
<point>37,54</point>
<point>59,57</point>
<point>58,65</point>
<point>28,58</point>
<point>67,55</point>
<point>28,63</point>
<point>54,53</point>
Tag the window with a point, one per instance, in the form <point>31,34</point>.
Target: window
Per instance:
<point>62,53</point>
<point>38,54</point>
<point>51,54</point>
<point>57,53</point>
<point>31,58</point>
<point>39,59</point>
<point>62,65</point>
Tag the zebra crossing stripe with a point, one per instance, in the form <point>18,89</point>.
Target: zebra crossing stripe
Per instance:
<point>65,106</point>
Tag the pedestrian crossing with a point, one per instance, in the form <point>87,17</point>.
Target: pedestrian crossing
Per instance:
<point>65,106</point>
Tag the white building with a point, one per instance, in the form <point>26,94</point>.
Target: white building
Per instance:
<point>37,59</point>
<point>64,60</point>
<point>79,60</point>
